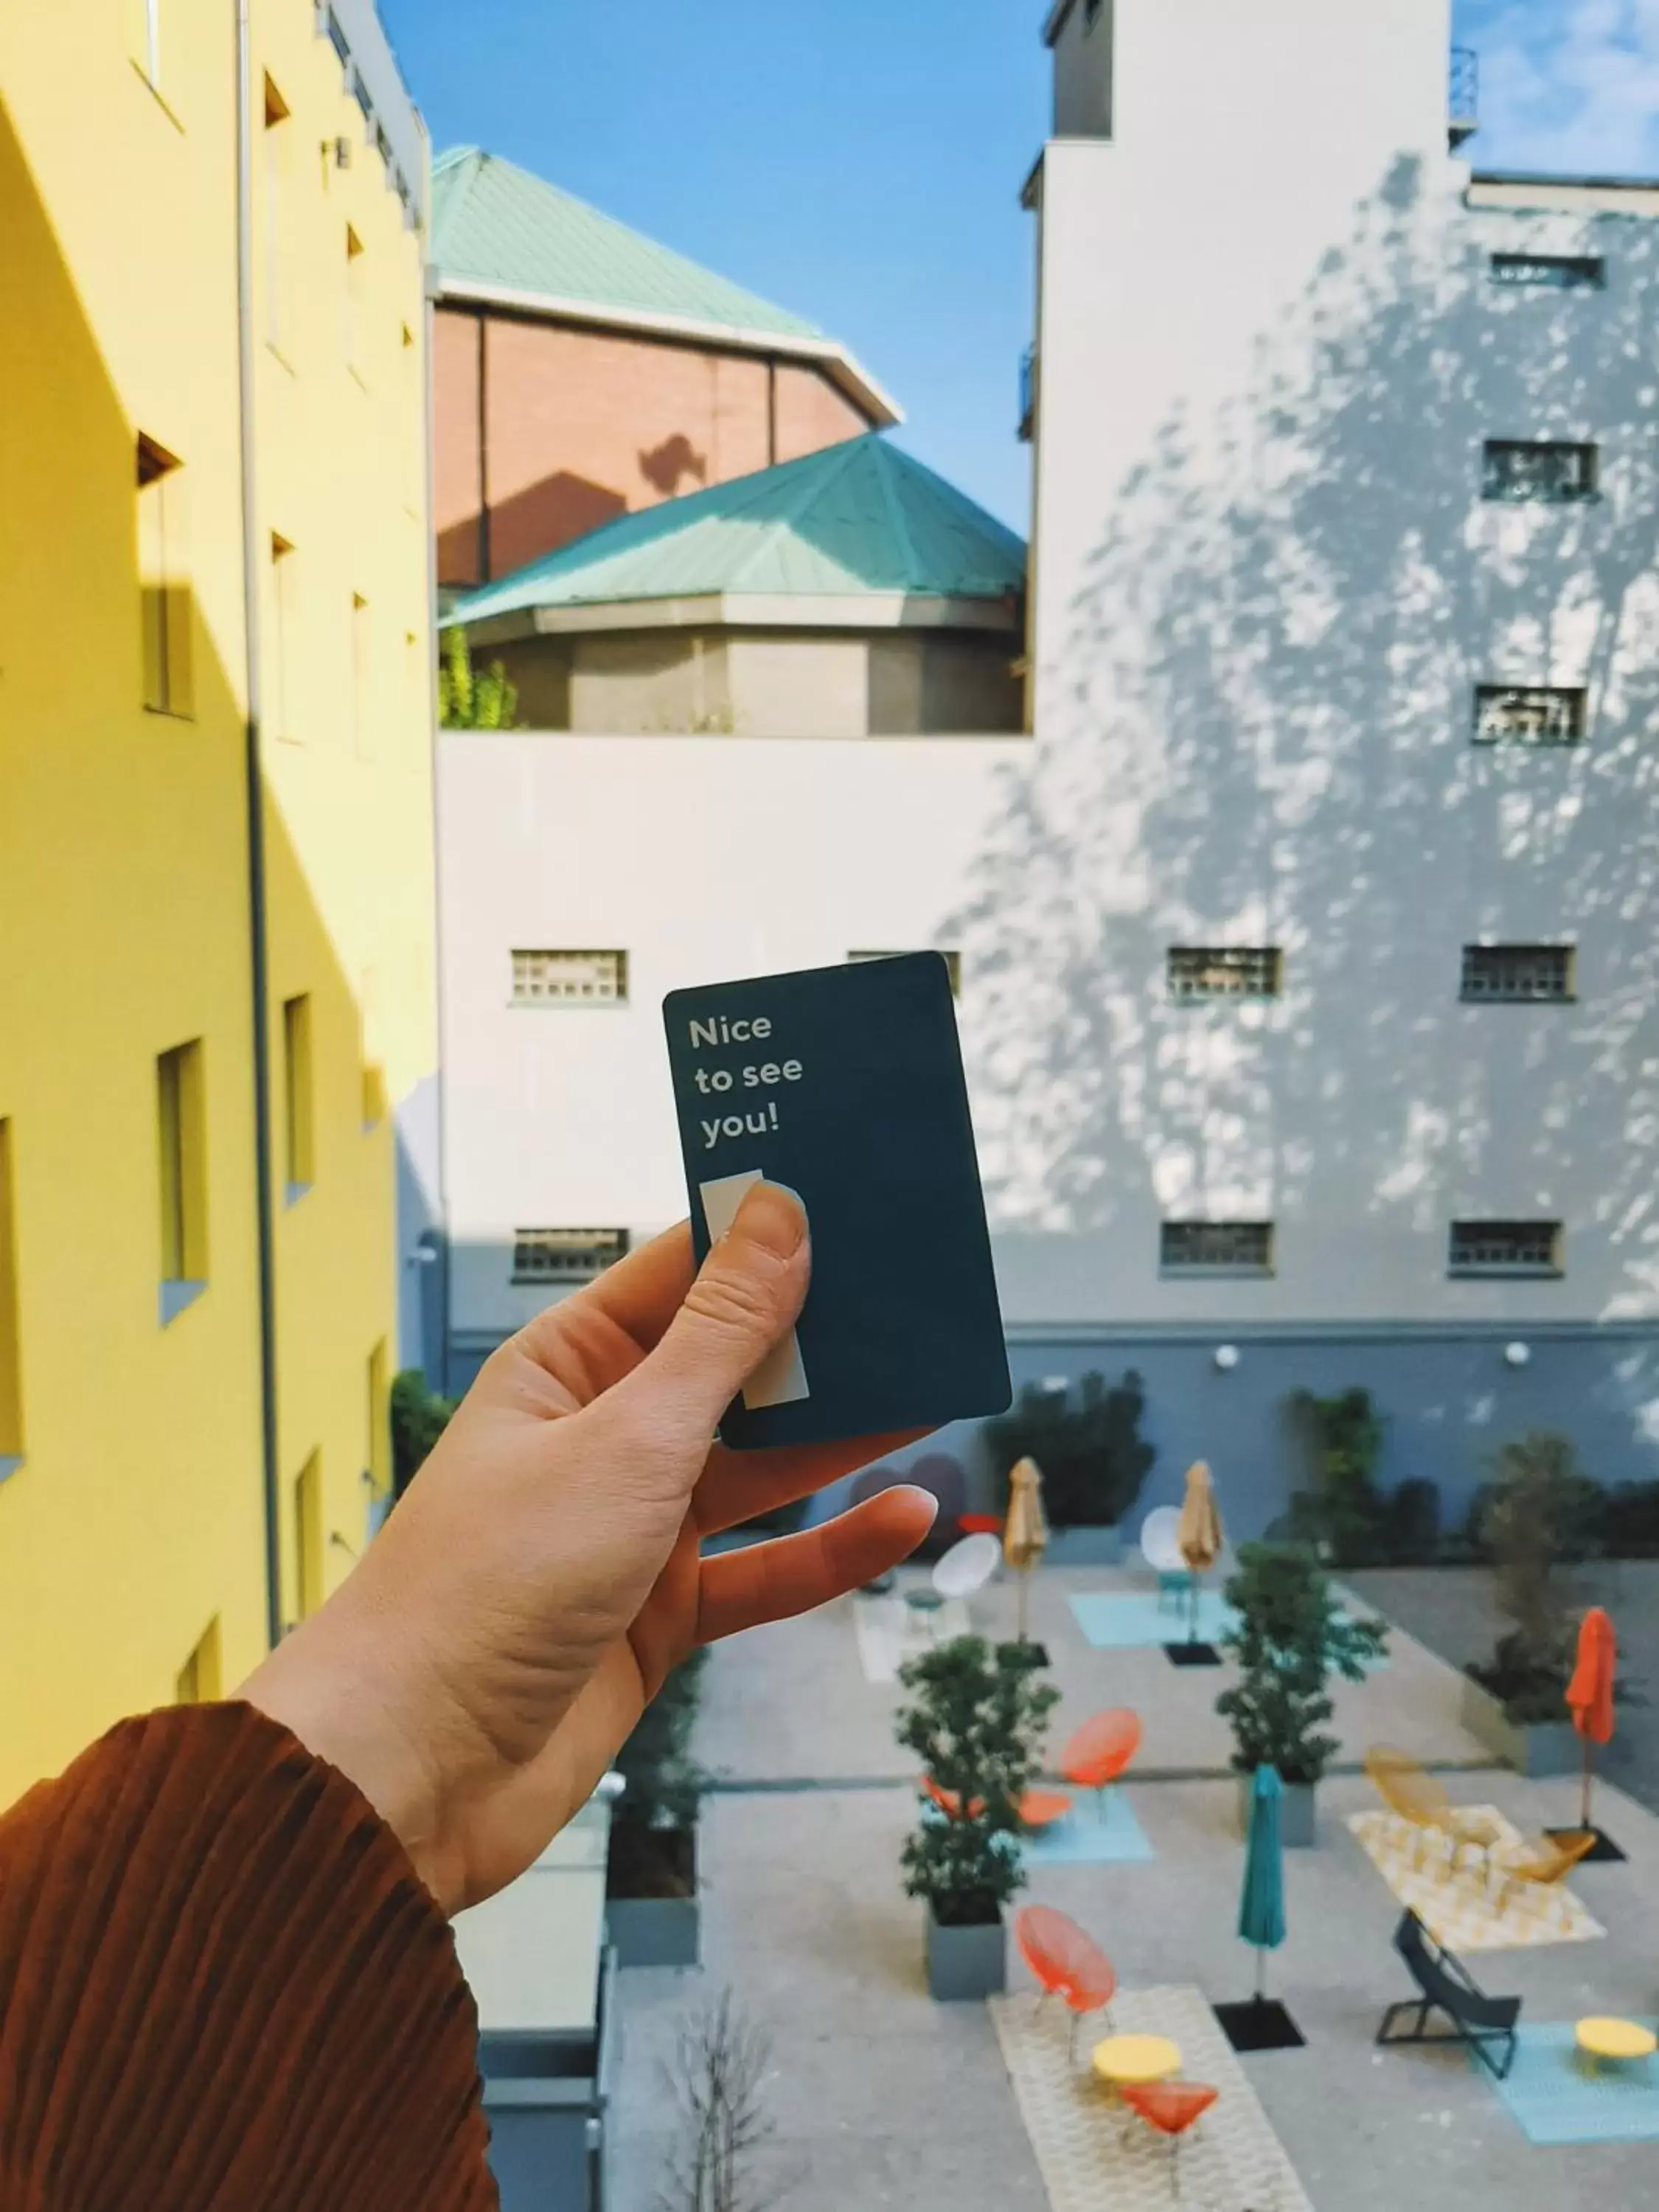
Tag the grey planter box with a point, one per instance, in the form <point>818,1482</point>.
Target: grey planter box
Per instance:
<point>966,1964</point>
<point>547,2096</point>
<point>1298,1814</point>
<point>1084,1547</point>
<point>655,1931</point>
<point>1543,1749</point>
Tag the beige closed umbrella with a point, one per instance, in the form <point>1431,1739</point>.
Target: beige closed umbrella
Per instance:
<point>1200,1536</point>
<point>1025,1532</point>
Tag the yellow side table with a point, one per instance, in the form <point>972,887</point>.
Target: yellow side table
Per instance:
<point>1130,2058</point>
<point>1621,2042</point>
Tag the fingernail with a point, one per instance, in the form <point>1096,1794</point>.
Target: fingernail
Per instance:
<point>916,1489</point>
<point>773,1217</point>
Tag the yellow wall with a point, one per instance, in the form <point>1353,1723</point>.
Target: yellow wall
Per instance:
<point>136,1519</point>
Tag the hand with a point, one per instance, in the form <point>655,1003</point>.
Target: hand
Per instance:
<point>479,1670</point>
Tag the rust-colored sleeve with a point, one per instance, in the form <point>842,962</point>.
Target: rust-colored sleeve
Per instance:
<point>224,1988</point>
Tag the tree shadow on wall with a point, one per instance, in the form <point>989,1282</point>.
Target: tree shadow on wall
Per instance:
<point>1265,738</point>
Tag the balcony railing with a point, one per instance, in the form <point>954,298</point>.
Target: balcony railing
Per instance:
<point>1463,103</point>
<point>1028,393</point>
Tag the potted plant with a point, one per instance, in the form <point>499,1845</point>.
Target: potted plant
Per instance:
<point>1292,1637</point>
<point>651,1876</point>
<point>1093,1457</point>
<point>1539,1510</point>
<point>976,1725</point>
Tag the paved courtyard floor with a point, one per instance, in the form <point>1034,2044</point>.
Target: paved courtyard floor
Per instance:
<point>880,2097</point>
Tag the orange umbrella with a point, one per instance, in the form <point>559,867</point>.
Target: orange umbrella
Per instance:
<point>1590,1693</point>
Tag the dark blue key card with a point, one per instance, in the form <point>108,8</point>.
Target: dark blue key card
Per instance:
<point>846,1083</point>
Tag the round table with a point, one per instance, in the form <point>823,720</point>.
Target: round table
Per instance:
<point>1123,2059</point>
<point>1619,2041</point>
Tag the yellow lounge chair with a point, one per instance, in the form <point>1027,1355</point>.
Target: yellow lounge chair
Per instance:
<point>1415,1796</point>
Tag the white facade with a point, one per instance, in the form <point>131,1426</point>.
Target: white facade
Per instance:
<point>1266,586</point>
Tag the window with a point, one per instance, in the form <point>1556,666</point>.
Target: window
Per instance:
<point>565,1255</point>
<point>201,1679</point>
<point>298,1156</point>
<point>308,1538</point>
<point>1505,1247</point>
<point>11,1388</point>
<point>277,142</point>
<point>952,962</point>
<point>363,693</point>
<point>373,1070</point>
<point>1517,974</point>
<point>164,597</point>
<point>1529,713</point>
<point>1216,1247</point>
<point>379,1462</point>
<point>337,38</point>
<point>1201,972</point>
<point>1530,469</point>
<point>356,285</point>
<point>1556,272</point>
<point>569,979</point>
<point>181,1117</point>
<point>279,711</point>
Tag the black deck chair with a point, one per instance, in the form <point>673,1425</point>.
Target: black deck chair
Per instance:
<point>1486,2025</point>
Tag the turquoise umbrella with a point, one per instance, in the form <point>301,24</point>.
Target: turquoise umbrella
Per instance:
<point>1261,1906</point>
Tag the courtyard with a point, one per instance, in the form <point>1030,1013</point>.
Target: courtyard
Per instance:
<point>876,2096</point>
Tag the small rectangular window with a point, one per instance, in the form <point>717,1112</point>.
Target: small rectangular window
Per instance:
<point>279,711</point>
<point>356,281</point>
<point>308,1551</point>
<point>369,1050</point>
<point>1528,470</point>
<point>1200,972</point>
<point>337,38</point>
<point>1505,1247</point>
<point>11,1384</point>
<point>362,686</point>
<point>1216,1247</point>
<point>299,1151</point>
<point>952,962</point>
<point>164,590</point>
<point>1529,713</point>
<point>1555,272</point>
<point>569,979</point>
<point>201,1679</point>
<point>378,1465</point>
<point>565,1255</point>
<point>181,1116</point>
<point>276,146</point>
<point>1517,974</point>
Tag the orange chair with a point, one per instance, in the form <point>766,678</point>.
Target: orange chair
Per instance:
<point>1067,1963</point>
<point>1173,2108</point>
<point>1038,1808</point>
<point>1100,1751</point>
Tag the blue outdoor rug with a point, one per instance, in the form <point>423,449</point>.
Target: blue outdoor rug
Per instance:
<point>1127,1620</point>
<point>1556,2098</point>
<point>1083,1838</point>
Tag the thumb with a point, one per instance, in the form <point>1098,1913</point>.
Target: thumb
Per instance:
<point>746,1296</point>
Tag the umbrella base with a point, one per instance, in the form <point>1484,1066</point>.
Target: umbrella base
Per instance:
<point>1260,2024</point>
<point>1605,1852</point>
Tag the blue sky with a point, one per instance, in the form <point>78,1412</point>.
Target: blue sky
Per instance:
<point>860,161</point>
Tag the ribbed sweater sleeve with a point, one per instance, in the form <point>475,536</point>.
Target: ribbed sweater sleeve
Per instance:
<point>224,1988</point>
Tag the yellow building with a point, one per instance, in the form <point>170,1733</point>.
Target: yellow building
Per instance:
<point>216,829</point>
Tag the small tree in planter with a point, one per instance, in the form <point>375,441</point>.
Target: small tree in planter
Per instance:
<point>1345,1509</point>
<point>1291,1637</point>
<point>1540,1509</point>
<point>976,1726</point>
<point>651,1879</point>
<point>1092,1455</point>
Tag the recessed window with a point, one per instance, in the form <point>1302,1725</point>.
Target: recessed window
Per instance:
<point>1530,470</point>
<point>164,590</point>
<point>378,1465</point>
<point>279,709</point>
<point>1216,1248</point>
<point>298,1147</point>
<point>1554,272</point>
<point>277,141</point>
<point>1201,972</point>
<point>1505,1247</point>
<point>569,979</point>
<point>336,37</point>
<point>200,1681</point>
<point>11,1388</point>
<point>357,278</point>
<point>952,965</point>
<point>181,1118</point>
<point>362,687</point>
<point>565,1255</point>
<point>308,1553</point>
<point>1529,713</point>
<point>1517,974</point>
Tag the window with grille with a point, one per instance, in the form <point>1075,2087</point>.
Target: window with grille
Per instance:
<point>565,1255</point>
<point>181,1114</point>
<point>1532,469</point>
<point>1517,974</point>
<point>1529,713</point>
<point>569,979</point>
<point>1216,1247</point>
<point>953,962</point>
<point>1505,1247</point>
<point>1555,272</point>
<point>1199,972</point>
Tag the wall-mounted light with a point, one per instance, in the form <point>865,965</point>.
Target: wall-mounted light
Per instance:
<point>1057,1384</point>
<point>1226,1357</point>
<point>1517,1354</point>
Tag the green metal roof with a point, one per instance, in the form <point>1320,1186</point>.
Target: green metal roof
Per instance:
<point>860,517</point>
<point>494,223</point>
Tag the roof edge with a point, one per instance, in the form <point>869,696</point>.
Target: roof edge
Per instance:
<point>810,610</point>
<point>842,367</point>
